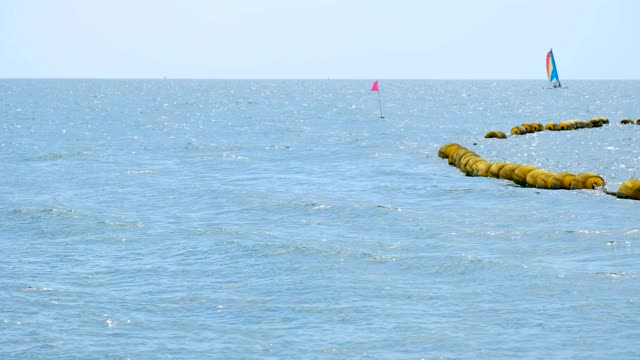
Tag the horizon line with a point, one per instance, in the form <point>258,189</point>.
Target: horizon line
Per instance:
<point>304,78</point>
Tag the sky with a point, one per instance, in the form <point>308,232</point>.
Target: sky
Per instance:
<point>319,39</point>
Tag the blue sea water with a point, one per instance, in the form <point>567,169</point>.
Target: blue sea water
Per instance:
<point>283,219</point>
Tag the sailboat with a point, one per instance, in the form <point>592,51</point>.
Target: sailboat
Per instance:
<point>552,71</point>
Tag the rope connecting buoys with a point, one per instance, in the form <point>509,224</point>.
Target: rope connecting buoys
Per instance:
<point>526,128</point>
<point>495,134</point>
<point>577,124</point>
<point>472,164</point>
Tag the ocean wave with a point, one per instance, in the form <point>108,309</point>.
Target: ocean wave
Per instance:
<point>60,156</point>
<point>140,172</point>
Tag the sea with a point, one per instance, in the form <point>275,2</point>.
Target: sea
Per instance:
<point>286,219</point>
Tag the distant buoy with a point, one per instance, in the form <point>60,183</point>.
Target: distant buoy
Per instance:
<point>626,121</point>
<point>537,126</point>
<point>551,126</point>
<point>518,130</point>
<point>596,122</point>
<point>566,125</point>
<point>495,134</point>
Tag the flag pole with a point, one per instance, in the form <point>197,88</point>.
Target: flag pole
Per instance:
<point>380,104</point>
<point>377,89</point>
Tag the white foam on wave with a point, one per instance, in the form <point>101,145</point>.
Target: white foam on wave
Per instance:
<point>135,172</point>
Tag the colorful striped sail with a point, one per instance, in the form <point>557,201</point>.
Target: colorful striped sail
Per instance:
<point>552,70</point>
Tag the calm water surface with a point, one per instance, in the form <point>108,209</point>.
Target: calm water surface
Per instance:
<point>172,219</point>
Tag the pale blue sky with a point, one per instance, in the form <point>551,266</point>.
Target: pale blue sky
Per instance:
<point>368,39</point>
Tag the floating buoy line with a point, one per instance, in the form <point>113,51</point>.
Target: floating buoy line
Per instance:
<point>525,175</point>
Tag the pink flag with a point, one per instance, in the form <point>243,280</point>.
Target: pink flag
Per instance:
<point>375,86</point>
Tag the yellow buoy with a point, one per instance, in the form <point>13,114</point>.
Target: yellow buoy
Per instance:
<point>507,171</point>
<point>566,125</point>
<point>494,170</point>
<point>629,189</point>
<point>532,177</point>
<point>470,156</point>
<point>587,180</point>
<point>537,126</point>
<point>467,163</point>
<point>527,127</point>
<point>446,149</point>
<point>457,154</point>
<point>520,174</point>
<point>562,180</point>
<point>544,180</point>
<point>551,126</point>
<point>626,121</point>
<point>481,168</point>
<point>518,130</point>
<point>596,122</point>
<point>495,134</point>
